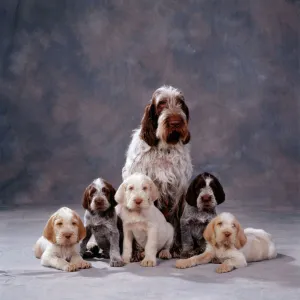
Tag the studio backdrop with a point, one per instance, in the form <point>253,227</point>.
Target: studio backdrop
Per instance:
<point>76,76</point>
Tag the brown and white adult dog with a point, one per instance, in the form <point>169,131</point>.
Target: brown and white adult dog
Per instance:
<point>230,245</point>
<point>57,246</point>
<point>159,148</point>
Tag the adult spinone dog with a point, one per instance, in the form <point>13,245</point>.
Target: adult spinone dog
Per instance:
<point>160,149</point>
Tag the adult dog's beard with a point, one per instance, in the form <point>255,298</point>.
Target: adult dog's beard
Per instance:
<point>173,137</point>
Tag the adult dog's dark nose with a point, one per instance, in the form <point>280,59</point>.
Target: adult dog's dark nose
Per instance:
<point>206,198</point>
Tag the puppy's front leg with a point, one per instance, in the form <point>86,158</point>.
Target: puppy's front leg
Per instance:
<point>84,242</point>
<point>150,249</point>
<point>77,260</point>
<point>238,261</point>
<point>186,239</point>
<point>127,244</point>
<point>201,259</point>
<point>115,257</point>
<point>58,263</point>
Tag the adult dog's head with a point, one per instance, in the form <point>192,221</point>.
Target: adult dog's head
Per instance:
<point>205,192</point>
<point>166,118</point>
<point>137,192</point>
<point>99,197</point>
<point>64,228</point>
<point>225,230</point>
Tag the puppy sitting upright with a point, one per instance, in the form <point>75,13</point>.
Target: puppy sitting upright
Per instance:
<point>142,220</point>
<point>57,246</point>
<point>203,195</point>
<point>101,220</point>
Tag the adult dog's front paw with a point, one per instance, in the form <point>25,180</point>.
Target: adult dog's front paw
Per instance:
<point>70,268</point>
<point>114,262</point>
<point>148,263</point>
<point>224,268</point>
<point>165,254</point>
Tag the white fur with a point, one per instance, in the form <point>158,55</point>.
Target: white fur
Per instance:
<point>64,253</point>
<point>144,222</point>
<point>170,165</point>
<point>259,246</point>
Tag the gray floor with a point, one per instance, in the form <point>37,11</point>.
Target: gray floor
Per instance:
<point>22,276</point>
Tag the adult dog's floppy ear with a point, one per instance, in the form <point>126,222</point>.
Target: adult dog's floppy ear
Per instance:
<point>48,232</point>
<point>149,125</point>
<point>81,228</point>
<point>241,238</point>
<point>120,193</point>
<point>209,232</point>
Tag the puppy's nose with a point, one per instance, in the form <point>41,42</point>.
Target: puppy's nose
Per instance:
<point>67,235</point>
<point>206,198</point>
<point>227,233</point>
<point>138,201</point>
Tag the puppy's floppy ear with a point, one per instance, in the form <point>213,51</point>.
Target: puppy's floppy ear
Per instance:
<point>209,232</point>
<point>218,190</point>
<point>81,228</point>
<point>120,193</point>
<point>87,196</point>
<point>241,238</point>
<point>154,193</point>
<point>112,193</point>
<point>149,125</point>
<point>48,232</point>
<point>191,194</point>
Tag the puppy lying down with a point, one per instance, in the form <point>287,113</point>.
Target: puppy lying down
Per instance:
<point>230,245</point>
<point>142,220</point>
<point>57,248</point>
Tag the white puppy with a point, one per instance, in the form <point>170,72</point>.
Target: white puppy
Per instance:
<point>142,220</point>
<point>57,246</point>
<point>230,245</point>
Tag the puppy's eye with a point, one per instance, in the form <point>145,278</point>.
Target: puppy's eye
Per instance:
<point>233,225</point>
<point>105,191</point>
<point>145,188</point>
<point>74,223</point>
<point>130,188</point>
<point>220,224</point>
<point>59,224</point>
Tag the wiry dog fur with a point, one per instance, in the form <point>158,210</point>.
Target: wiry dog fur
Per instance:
<point>160,149</point>
<point>142,220</point>
<point>57,248</point>
<point>102,222</point>
<point>231,246</point>
<point>203,195</point>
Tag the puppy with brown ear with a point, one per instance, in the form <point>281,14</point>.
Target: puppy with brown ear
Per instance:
<point>142,220</point>
<point>102,222</point>
<point>57,246</point>
<point>230,245</point>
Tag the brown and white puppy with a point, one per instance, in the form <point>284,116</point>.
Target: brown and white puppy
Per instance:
<point>160,149</point>
<point>230,245</point>
<point>101,221</point>
<point>57,246</point>
<point>204,194</point>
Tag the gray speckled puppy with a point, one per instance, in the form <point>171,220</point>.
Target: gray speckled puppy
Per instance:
<point>101,220</point>
<point>203,195</point>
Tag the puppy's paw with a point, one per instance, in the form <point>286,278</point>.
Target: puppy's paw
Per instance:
<point>165,254</point>
<point>70,268</point>
<point>137,256</point>
<point>182,264</point>
<point>114,262</point>
<point>148,263</point>
<point>215,261</point>
<point>84,265</point>
<point>87,254</point>
<point>224,268</point>
<point>126,259</point>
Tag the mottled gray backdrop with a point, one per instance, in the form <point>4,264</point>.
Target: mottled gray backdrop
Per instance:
<point>76,76</point>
